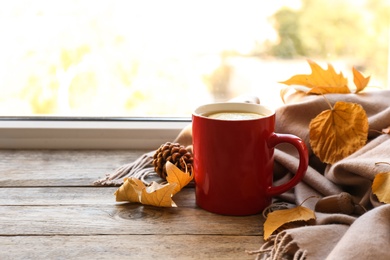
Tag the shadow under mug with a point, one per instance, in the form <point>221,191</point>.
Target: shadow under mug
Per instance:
<point>233,159</point>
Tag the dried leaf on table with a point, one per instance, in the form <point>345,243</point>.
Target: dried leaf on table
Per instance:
<point>381,187</point>
<point>320,81</point>
<point>130,190</point>
<point>338,132</point>
<point>156,194</point>
<point>279,218</point>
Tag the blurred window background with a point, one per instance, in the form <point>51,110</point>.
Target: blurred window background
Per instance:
<point>162,58</point>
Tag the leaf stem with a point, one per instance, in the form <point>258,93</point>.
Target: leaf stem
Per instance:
<point>327,101</point>
<point>376,131</point>
<point>274,206</point>
<point>311,197</point>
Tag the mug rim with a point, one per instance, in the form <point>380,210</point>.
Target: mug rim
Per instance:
<point>233,106</point>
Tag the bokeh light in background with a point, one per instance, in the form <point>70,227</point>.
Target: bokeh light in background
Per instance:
<point>165,57</point>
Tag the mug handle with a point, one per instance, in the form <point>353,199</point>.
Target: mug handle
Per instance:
<point>303,161</point>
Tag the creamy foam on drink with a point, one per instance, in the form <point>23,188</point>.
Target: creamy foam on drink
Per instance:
<point>234,115</point>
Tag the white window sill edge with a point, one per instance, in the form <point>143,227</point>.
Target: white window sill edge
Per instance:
<point>38,134</point>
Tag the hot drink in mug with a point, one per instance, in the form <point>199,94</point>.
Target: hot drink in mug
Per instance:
<point>233,148</point>
<point>233,115</point>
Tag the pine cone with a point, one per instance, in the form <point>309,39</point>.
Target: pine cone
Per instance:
<point>174,153</point>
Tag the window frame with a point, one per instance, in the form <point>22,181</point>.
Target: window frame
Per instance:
<point>88,133</point>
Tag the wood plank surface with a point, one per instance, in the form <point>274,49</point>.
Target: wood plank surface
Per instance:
<point>128,247</point>
<point>49,209</point>
<point>20,168</point>
<point>11,196</point>
<point>121,219</point>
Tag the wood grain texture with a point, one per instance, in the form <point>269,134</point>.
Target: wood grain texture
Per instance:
<point>128,247</point>
<point>121,219</point>
<point>49,209</point>
<point>11,196</point>
<point>21,168</point>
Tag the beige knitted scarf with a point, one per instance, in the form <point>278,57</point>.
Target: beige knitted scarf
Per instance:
<point>364,234</point>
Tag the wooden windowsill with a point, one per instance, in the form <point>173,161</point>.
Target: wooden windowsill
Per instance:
<point>49,209</point>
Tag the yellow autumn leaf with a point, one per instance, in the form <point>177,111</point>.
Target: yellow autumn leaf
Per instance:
<point>338,132</point>
<point>381,187</point>
<point>360,81</point>
<point>158,195</point>
<point>320,81</point>
<point>130,190</point>
<point>278,218</point>
<point>155,194</point>
<point>175,175</point>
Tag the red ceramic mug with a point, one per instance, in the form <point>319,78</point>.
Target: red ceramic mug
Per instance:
<point>234,157</point>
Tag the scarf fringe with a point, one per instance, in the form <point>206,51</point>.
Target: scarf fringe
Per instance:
<point>140,169</point>
<point>279,247</point>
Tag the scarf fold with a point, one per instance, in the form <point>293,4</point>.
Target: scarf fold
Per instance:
<point>368,237</point>
<point>366,234</point>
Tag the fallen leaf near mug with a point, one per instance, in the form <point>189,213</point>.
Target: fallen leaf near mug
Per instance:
<point>156,194</point>
<point>130,190</point>
<point>381,185</point>
<point>279,218</point>
<point>338,132</point>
